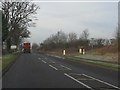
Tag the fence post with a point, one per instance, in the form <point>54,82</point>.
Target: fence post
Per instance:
<point>83,51</point>
<point>63,52</point>
<point>80,50</point>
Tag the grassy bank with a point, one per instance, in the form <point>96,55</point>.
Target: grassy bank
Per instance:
<point>7,60</point>
<point>112,66</point>
<point>108,61</point>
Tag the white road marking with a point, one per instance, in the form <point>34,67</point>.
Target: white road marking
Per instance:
<point>53,67</point>
<point>56,56</point>
<point>101,81</point>
<point>78,81</point>
<point>44,61</point>
<point>52,62</point>
<point>75,74</point>
<point>65,67</point>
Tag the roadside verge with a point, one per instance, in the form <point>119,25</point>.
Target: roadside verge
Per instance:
<point>8,60</point>
<point>100,63</point>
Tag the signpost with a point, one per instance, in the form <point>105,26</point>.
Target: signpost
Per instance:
<point>13,47</point>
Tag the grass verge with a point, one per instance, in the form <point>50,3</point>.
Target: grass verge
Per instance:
<point>7,61</point>
<point>112,66</point>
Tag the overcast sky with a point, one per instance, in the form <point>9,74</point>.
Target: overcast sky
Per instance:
<point>100,18</point>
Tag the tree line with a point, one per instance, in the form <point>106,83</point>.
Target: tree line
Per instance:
<point>61,40</point>
<point>16,18</point>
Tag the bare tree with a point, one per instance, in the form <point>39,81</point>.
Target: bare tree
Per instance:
<point>100,42</point>
<point>83,39</point>
<point>35,46</point>
<point>85,34</point>
<point>17,13</point>
<point>57,40</point>
<point>62,37</point>
<point>72,37</point>
<point>72,40</point>
<point>17,16</point>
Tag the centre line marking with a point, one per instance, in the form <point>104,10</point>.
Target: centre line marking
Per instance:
<point>53,67</point>
<point>65,67</point>
<point>101,81</point>
<point>44,61</point>
<point>78,81</point>
<point>52,62</point>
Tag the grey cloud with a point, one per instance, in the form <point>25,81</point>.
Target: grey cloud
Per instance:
<point>75,17</point>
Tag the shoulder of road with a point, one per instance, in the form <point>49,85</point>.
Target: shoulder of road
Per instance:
<point>7,60</point>
<point>98,60</point>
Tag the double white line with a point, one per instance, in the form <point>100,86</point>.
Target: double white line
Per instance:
<point>101,81</point>
<point>91,78</point>
<point>78,81</point>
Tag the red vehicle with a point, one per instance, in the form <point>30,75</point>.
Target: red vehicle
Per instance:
<point>26,47</point>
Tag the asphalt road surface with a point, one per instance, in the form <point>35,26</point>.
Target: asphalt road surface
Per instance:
<point>45,71</point>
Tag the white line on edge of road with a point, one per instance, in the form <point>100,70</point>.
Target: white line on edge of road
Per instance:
<point>53,67</point>
<point>56,56</point>
<point>78,81</point>
<point>66,67</point>
<point>101,81</point>
<point>44,61</point>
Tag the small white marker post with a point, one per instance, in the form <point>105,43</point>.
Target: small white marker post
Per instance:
<point>63,52</point>
<point>80,50</point>
<point>83,51</point>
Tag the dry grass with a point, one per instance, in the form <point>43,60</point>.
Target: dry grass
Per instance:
<point>68,52</point>
<point>108,51</point>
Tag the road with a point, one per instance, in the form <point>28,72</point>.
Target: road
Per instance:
<point>44,71</point>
